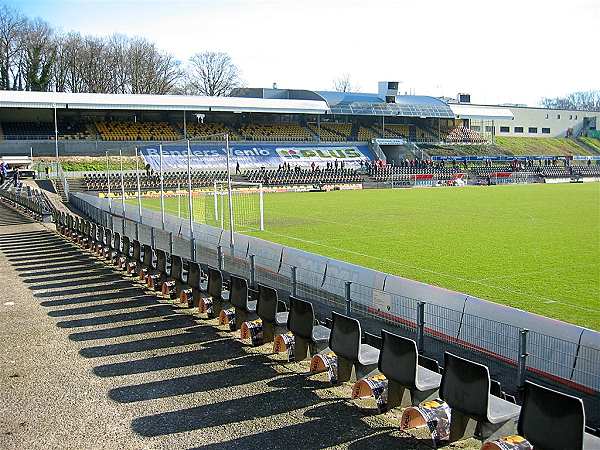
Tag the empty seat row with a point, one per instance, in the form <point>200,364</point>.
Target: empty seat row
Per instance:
<point>547,419</point>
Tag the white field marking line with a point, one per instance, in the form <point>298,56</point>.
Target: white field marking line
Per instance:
<point>513,291</point>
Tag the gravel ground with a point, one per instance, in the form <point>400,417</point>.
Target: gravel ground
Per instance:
<point>90,360</point>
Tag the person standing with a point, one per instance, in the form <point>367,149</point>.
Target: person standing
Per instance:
<point>237,168</point>
<point>2,173</point>
<point>16,176</point>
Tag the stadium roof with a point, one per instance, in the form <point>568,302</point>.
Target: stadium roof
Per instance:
<point>373,105</point>
<point>281,101</point>
<point>62,100</point>
<point>478,112</point>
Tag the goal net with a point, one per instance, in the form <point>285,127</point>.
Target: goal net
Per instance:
<point>247,206</point>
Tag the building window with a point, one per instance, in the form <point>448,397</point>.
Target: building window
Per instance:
<point>533,130</point>
<point>575,116</point>
<point>545,130</point>
<point>518,129</point>
<point>546,116</point>
<point>571,117</point>
<point>475,128</point>
<point>504,129</point>
<point>558,116</point>
<point>489,128</point>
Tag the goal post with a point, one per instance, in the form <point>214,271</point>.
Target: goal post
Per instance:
<point>242,206</point>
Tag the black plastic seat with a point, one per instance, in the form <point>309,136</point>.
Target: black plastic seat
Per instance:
<point>107,244</point>
<point>158,274</point>
<point>92,236</point>
<point>173,285</point>
<point>272,312</point>
<point>136,258</point>
<point>308,335</point>
<point>239,296</point>
<point>125,253</point>
<point>191,291</point>
<point>355,359</point>
<point>465,387</point>
<point>545,409</point>
<point>408,383</point>
<point>115,249</point>
<point>216,293</point>
<point>147,263</point>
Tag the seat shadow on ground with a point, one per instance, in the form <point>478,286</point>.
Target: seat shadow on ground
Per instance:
<point>327,425</point>
<point>190,384</point>
<point>71,285</point>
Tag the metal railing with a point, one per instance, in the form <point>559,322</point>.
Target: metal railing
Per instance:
<point>511,353</point>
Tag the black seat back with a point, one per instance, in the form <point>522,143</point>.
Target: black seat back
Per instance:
<point>137,251</point>
<point>266,307</point>
<point>126,246</point>
<point>238,294</point>
<point>194,274</point>
<point>161,260</point>
<point>107,236</point>
<point>398,359</point>
<point>345,336</point>
<point>176,271</point>
<point>301,318</point>
<point>147,256</point>
<point>545,410</point>
<point>93,230</point>
<point>215,283</point>
<point>101,234</point>
<point>465,386</point>
<point>116,242</point>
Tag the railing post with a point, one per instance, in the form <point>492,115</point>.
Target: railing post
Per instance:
<point>294,282</point>
<point>348,299</point>
<point>220,256</point>
<point>137,232</point>
<point>192,245</point>
<point>252,271</point>
<point>522,363</point>
<point>171,245</point>
<point>420,326</point>
<point>151,235</point>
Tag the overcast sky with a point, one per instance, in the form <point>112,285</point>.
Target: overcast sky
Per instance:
<point>513,51</point>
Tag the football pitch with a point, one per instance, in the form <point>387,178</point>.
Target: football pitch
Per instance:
<point>535,247</point>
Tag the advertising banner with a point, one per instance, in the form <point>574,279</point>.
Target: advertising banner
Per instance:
<point>249,156</point>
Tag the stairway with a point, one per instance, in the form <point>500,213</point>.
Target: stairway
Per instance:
<point>76,185</point>
<point>58,187</point>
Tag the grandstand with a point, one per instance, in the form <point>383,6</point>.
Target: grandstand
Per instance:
<point>136,131</point>
<point>275,132</point>
<point>438,127</point>
<point>99,182</point>
<point>208,131</point>
<point>304,176</point>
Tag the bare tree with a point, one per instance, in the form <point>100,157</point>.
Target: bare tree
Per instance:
<point>12,29</point>
<point>39,56</point>
<point>211,73</point>
<point>583,100</point>
<point>152,71</point>
<point>34,57</point>
<point>343,84</point>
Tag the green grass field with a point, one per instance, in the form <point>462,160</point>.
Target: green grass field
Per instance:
<point>534,247</point>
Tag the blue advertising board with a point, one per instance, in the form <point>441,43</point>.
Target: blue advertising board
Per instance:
<point>175,157</point>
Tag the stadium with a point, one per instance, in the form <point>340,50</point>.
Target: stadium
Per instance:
<point>301,267</point>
